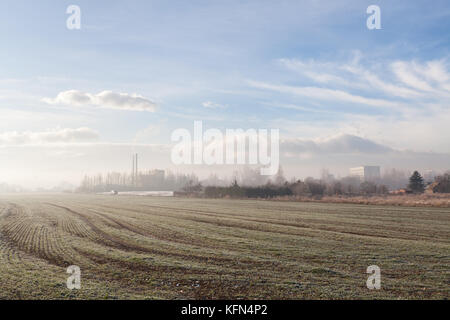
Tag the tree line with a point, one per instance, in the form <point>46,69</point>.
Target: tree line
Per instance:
<point>310,187</point>
<point>250,184</point>
<point>155,180</point>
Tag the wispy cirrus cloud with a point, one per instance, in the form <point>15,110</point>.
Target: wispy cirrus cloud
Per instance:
<point>404,79</point>
<point>212,105</point>
<point>403,72</point>
<point>104,99</point>
<point>431,77</point>
<point>325,94</point>
<point>411,99</point>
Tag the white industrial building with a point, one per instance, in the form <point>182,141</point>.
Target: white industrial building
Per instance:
<point>366,173</point>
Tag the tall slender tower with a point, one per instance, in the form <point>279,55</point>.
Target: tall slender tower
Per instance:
<point>136,179</point>
<point>133,171</point>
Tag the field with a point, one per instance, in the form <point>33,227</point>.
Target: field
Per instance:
<point>438,200</point>
<point>131,247</point>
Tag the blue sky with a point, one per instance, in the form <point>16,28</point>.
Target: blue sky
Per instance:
<point>310,68</point>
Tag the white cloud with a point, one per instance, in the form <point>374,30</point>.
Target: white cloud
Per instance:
<point>321,72</point>
<point>435,70</point>
<point>420,130</point>
<point>212,105</point>
<point>403,72</point>
<point>104,99</point>
<point>65,135</point>
<point>389,88</point>
<point>416,93</point>
<point>339,144</point>
<point>405,79</point>
<point>325,94</point>
<point>348,74</point>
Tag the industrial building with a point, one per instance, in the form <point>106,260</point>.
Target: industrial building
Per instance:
<point>366,173</point>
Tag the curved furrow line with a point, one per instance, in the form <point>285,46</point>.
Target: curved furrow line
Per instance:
<point>269,223</point>
<point>9,254</point>
<point>201,242</point>
<point>304,223</point>
<point>29,235</point>
<point>164,234</point>
<point>70,226</point>
<point>119,243</point>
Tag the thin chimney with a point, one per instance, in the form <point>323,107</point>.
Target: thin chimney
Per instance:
<point>136,169</point>
<point>132,172</point>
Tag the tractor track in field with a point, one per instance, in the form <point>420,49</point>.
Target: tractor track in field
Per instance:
<point>273,222</point>
<point>8,250</point>
<point>139,247</point>
<point>164,236</point>
<point>22,235</point>
<point>118,243</point>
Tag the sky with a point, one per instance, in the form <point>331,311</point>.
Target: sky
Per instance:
<point>75,102</point>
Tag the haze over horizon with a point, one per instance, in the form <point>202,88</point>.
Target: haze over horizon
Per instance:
<point>76,102</point>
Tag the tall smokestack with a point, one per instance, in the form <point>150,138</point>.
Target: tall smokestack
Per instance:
<point>132,172</point>
<point>136,168</point>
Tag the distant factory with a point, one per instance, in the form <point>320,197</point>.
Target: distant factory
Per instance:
<point>136,180</point>
<point>366,173</point>
<point>150,178</point>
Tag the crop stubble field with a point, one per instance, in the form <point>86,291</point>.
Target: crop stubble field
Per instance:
<point>132,247</point>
